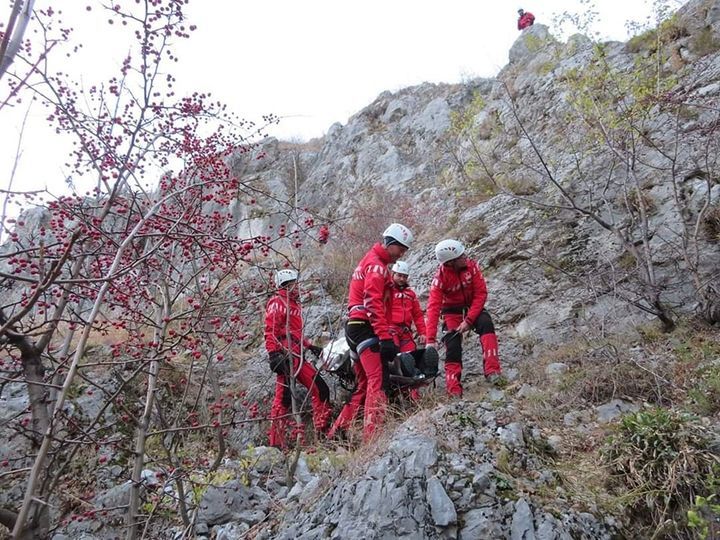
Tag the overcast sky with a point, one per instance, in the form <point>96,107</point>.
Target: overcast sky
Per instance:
<point>311,62</point>
<point>318,62</point>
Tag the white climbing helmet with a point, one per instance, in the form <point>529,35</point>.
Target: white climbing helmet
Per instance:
<point>447,250</point>
<point>401,267</point>
<point>283,276</point>
<point>399,233</point>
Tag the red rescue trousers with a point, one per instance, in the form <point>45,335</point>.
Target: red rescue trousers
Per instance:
<point>319,397</point>
<point>369,393</point>
<point>453,347</point>
<point>370,380</point>
<point>352,408</point>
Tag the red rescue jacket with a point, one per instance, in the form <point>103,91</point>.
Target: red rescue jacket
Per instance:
<point>277,322</point>
<point>406,310</point>
<point>526,20</point>
<point>453,291</point>
<point>370,287</point>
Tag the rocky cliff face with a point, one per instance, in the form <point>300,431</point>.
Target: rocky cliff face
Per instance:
<point>494,162</point>
<point>439,478</point>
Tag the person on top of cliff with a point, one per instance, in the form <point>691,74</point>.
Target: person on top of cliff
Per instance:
<point>458,292</point>
<point>283,339</point>
<point>368,330</point>
<point>525,19</point>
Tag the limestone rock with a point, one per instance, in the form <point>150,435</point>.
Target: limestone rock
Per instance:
<point>441,507</point>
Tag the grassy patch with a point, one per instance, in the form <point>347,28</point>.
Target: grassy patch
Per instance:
<point>704,42</point>
<point>545,68</point>
<point>599,371</point>
<point>584,482</point>
<point>520,186</point>
<point>705,395</point>
<point>473,231</point>
<point>627,261</point>
<point>661,459</point>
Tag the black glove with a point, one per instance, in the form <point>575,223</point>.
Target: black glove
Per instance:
<point>279,363</point>
<point>388,350</point>
<point>317,351</point>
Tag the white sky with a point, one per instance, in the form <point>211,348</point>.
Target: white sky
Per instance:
<point>318,62</point>
<point>312,62</point>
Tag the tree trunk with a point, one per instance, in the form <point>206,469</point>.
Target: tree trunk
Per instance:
<point>34,373</point>
<point>162,317</point>
<point>140,439</point>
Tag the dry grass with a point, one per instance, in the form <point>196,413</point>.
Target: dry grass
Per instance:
<point>96,338</point>
<point>661,459</point>
<point>704,42</point>
<point>597,373</point>
<point>584,481</point>
<point>665,369</point>
<point>415,415</point>
<point>635,201</point>
<point>364,455</point>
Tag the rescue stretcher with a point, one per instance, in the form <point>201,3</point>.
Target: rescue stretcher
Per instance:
<point>407,370</point>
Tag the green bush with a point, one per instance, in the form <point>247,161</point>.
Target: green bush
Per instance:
<point>641,42</point>
<point>664,459</point>
<point>705,395</point>
<point>704,517</point>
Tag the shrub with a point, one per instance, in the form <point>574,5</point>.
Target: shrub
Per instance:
<point>711,223</point>
<point>479,188</point>
<point>534,43</point>
<point>704,42</point>
<point>520,186</point>
<point>621,378</point>
<point>473,231</point>
<point>644,41</point>
<point>705,395</point>
<point>704,517</point>
<point>635,200</point>
<point>338,264</point>
<point>627,261</point>
<point>665,459</point>
<point>668,31</point>
<point>599,371</point>
<point>463,121</point>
